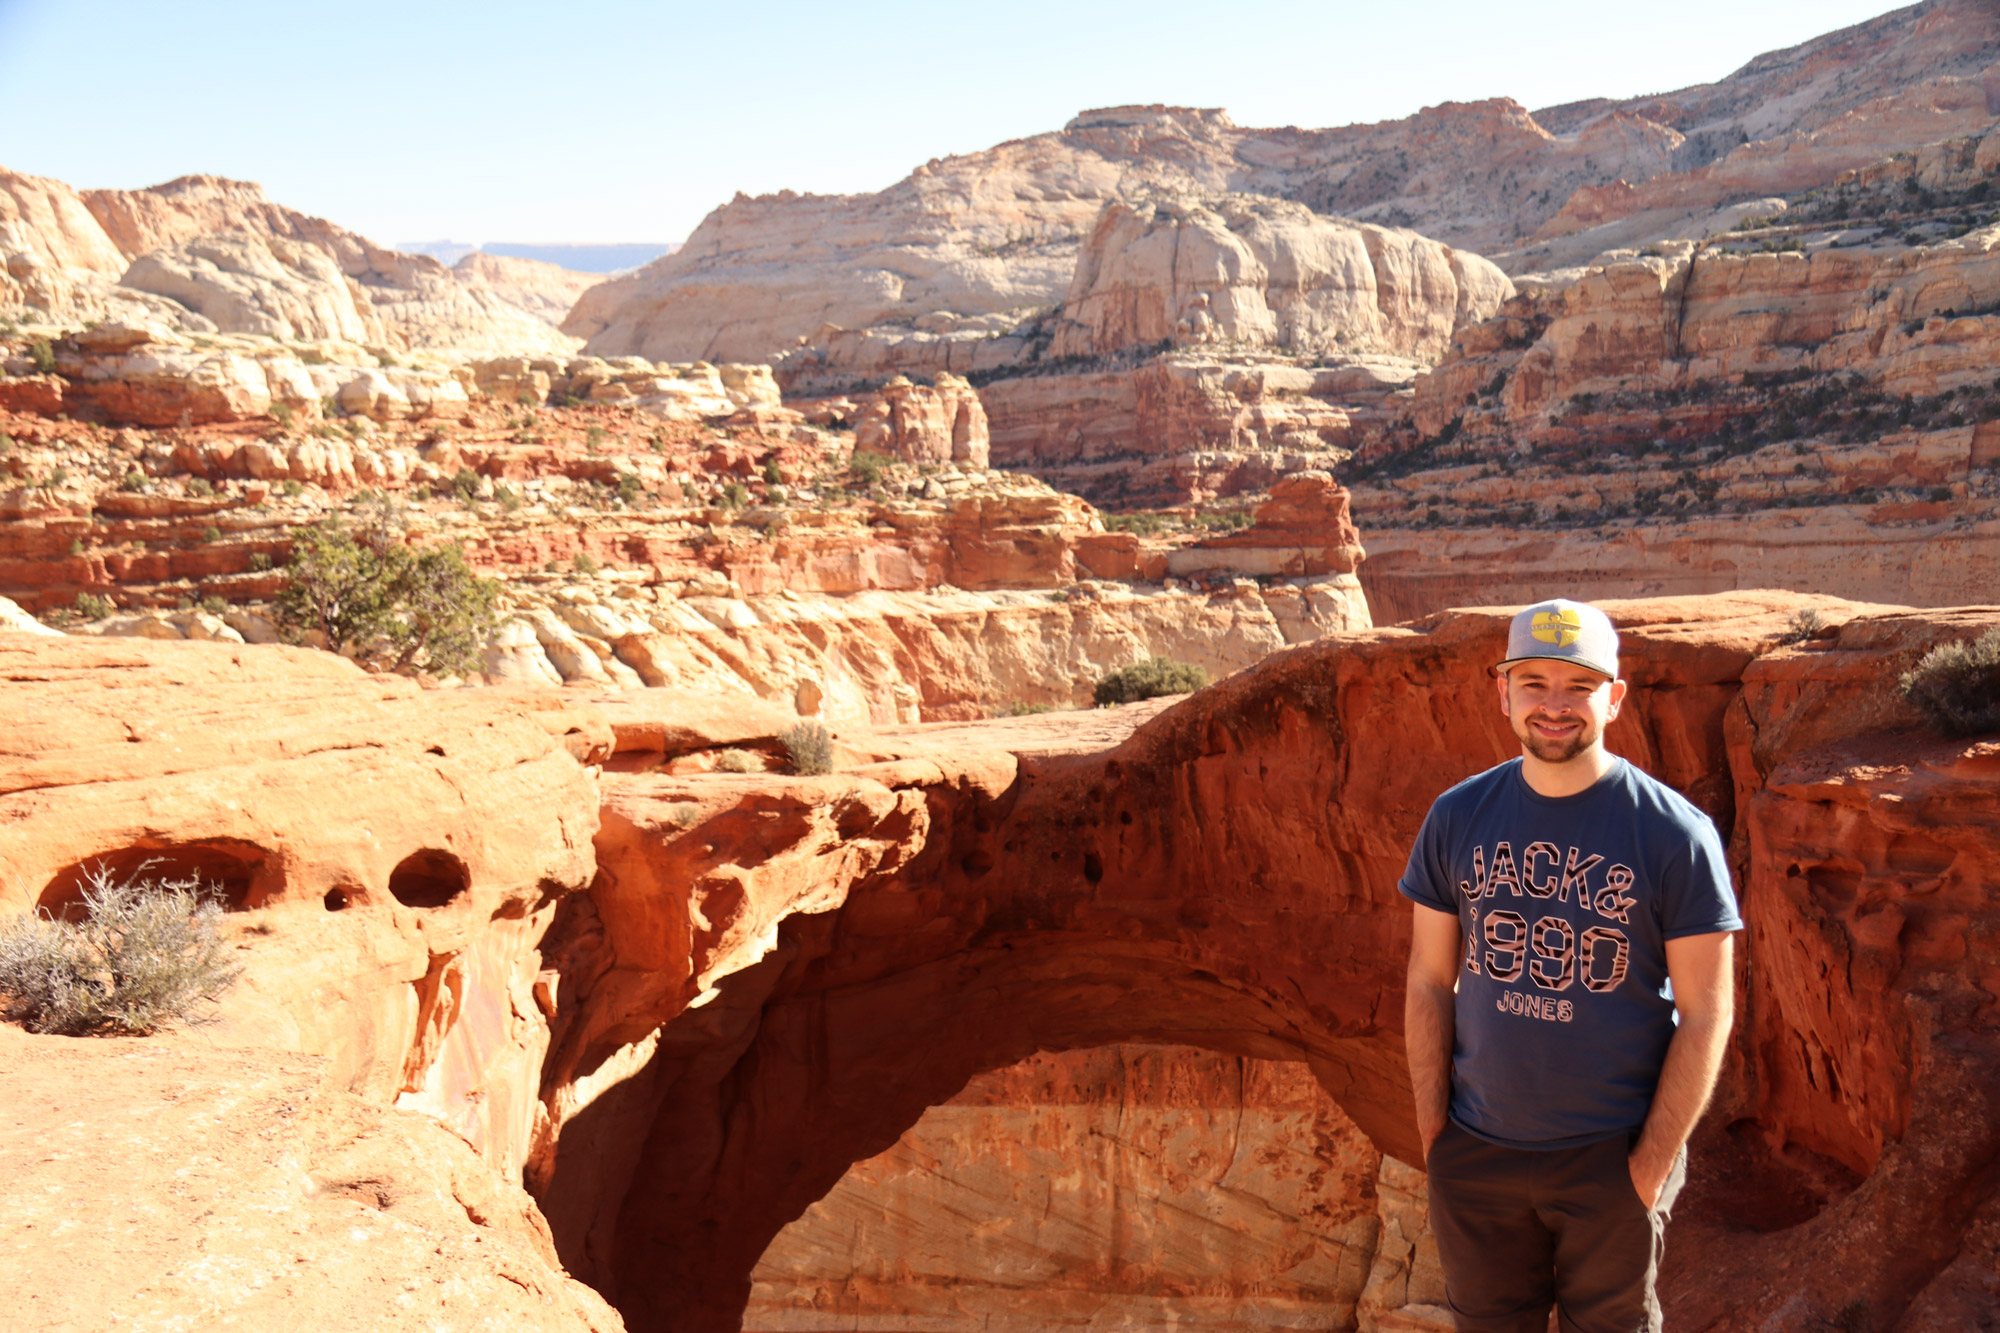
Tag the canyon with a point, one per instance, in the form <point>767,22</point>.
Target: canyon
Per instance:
<point>685,1004</point>
<point>571,1000</point>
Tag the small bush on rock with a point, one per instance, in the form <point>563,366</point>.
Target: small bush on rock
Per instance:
<point>1149,680</point>
<point>1956,686</point>
<point>425,607</point>
<point>739,761</point>
<point>809,745</point>
<point>148,953</point>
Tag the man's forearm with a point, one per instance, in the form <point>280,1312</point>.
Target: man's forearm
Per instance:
<point>1428,1028</point>
<point>1694,1059</point>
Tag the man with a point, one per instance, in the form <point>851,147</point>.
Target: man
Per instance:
<point>1566,905</point>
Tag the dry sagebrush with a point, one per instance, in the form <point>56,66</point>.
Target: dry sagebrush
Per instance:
<point>148,953</point>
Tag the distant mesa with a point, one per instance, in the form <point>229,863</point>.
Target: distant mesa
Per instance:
<point>614,258</point>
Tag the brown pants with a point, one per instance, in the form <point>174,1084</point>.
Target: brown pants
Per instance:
<point>1520,1231</point>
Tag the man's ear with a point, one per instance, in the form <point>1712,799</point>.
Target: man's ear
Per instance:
<point>1618,688</point>
<point>1500,679</point>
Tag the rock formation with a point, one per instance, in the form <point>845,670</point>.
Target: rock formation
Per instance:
<point>1094,1188</point>
<point>667,526</point>
<point>398,853</point>
<point>943,423</point>
<point>546,291</point>
<point>209,255</point>
<point>1658,423</point>
<point>770,978</point>
<point>1073,927</point>
<point>1265,273</point>
<point>167,1183</point>
<point>992,234</point>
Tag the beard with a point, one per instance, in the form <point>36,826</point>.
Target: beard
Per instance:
<point>1555,751</point>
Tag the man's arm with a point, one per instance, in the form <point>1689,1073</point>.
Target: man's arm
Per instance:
<point>1429,1018</point>
<point>1705,994</point>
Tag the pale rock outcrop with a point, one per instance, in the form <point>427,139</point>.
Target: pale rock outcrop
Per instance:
<point>16,621</point>
<point>695,391</point>
<point>1253,272</point>
<point>164,382</point>
<point>206,254</point>
<point>941,423</point>
<point>395,393</point>
<point>244,283</point>
<point>546,291</point>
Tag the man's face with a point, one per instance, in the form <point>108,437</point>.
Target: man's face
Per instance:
<point>1558,709</point>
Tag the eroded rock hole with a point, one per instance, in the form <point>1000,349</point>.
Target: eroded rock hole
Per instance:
<point>336,900</point>
<point>241,874</point>
<point>429,878</point>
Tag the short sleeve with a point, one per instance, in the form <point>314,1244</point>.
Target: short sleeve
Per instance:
<point>1427,879</point>
<point>1696,897</point>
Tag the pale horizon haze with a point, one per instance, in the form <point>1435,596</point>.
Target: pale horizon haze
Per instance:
<point>608,121</point>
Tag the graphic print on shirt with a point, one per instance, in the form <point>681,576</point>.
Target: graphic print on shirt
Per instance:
<point>1547,951</point>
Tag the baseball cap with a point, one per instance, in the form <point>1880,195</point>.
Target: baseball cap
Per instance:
<point>1560,630</point>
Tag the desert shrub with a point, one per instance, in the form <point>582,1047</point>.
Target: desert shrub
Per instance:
<point>735,495</point>
<point>89,606</point>
<point>772,475</point>
<point>260,561</point>
<point>214,605</point>
<point>1142,524</point>
<point>584,563</point>
<point>596,435</point>
<point>809,745</point>
<point>281,413</point>
<point>425,608</point>
<point>1956,686</point>
<point>1802,625</point>
<point>739,761</point>
<point>630,488</point>
<point>200,487</point>
<point>147,953</point>
<point>1148,680</point>
<point>509,498</point>
<point>211,533</point>
<point>866,468</point>
<point>465,485</point>
<point>291,489</point>
<point>134,480</point>
<point>42,356</point>
<point>1019,709</point>
<point>690,492</point>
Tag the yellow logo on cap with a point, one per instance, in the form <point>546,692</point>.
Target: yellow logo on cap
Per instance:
<point>1560,628</point>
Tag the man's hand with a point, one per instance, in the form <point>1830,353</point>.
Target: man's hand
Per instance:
<point>1704,992</point>
<point>1649,1178</point>
<point>1430,1016</point>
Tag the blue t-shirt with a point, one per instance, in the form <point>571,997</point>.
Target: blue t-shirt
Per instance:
<point>1565,903</point>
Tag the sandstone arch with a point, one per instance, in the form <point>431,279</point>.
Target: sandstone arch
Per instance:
<point>1224,879</point>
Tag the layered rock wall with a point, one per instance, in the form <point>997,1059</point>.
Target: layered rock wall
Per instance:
<point>1094,1188</point>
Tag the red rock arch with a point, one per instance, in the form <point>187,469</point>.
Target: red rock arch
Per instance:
<point>1224,880</point>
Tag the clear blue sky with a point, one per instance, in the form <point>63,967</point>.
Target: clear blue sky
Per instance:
<point>611,120</point>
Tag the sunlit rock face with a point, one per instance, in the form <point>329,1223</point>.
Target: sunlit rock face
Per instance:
<point>1132,1186</point>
